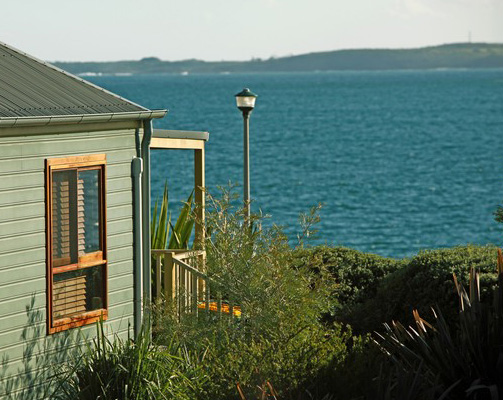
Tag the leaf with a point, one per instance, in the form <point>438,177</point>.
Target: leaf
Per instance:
<point>182,230</point>
<point>174,242</point>
<point>160,224</point>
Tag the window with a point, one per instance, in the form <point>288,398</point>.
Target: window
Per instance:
<point>76,241</point>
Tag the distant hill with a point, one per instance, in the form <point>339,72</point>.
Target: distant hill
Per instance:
<point>459,55</point>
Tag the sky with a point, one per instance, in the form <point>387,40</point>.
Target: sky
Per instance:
<point>214,30</point>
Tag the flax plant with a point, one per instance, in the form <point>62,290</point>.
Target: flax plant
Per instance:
<point>162,233</point>
<point>462,361</point>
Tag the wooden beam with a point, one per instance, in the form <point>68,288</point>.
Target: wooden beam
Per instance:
<point>173,143</point>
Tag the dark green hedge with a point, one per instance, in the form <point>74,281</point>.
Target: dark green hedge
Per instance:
<point>425,281</point>
<point>356,274</point>
<point>372,290</point>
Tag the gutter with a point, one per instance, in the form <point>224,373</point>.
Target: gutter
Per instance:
<point>45,120</point>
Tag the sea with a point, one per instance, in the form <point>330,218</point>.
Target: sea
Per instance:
<point>402,161</point>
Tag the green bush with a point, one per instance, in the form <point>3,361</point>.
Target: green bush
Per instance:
<point>290,360</point>
<point>280,337</point>
<point>423,282</point>
<point>370,290</point>
<point>356,274</point>
<point>353,376</point>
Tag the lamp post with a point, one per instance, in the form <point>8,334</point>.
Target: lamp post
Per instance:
<point>246,102</point>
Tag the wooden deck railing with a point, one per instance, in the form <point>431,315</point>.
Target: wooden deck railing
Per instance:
<point>179,279</point>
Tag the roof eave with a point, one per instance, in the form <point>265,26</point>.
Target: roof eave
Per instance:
<point>10,122</point>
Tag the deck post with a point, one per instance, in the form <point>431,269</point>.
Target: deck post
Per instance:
<point>194,293</point>
<point>199,184</point>
<point>201,285</point>
<point>158,259</point>
<point>169,277</point>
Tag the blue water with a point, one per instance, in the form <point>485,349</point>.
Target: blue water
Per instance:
<point>402,161</point>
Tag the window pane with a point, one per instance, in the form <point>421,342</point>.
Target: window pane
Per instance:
<point>78,291</point>
<point>64,211</point>
<point>89,211</point>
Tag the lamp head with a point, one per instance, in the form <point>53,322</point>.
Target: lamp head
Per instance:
<point>245,100</point>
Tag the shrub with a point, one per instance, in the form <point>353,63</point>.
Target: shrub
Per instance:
<point>356,274</point>
<point>423,282</point>
<point>459,360</point>
<point>280,338</point>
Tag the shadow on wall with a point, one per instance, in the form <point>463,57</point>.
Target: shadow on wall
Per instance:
<point>33,377</point>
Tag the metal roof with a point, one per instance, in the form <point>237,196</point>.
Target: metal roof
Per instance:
<point>33,88</point>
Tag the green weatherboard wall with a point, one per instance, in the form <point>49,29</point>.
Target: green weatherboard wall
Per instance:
<point>25,348</point>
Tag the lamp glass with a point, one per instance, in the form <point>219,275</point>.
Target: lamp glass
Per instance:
<point>245,101</point>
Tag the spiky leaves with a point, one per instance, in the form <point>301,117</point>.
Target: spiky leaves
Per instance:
<point>462,360</point>
<point>161,225</point>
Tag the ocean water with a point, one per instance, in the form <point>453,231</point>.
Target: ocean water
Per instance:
<point>401,160</point>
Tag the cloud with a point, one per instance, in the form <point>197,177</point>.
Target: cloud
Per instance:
<point>412,8</point>
<point>478,3</point>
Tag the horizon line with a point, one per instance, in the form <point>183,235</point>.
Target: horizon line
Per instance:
<point>157,59</point>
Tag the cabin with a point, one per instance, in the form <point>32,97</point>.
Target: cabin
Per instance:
<point>74,215</point>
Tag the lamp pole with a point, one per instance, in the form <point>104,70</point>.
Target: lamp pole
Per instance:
<point>246,162</point>
<point>246,102</point>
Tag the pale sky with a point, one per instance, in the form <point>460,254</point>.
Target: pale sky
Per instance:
<point>85,30</point>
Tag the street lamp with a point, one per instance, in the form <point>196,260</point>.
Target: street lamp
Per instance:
<point>246,102</point>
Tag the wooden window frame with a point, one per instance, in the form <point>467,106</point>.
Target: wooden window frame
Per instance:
<point>87,162</point>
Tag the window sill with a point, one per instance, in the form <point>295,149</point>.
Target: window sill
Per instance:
<point>80,320</point>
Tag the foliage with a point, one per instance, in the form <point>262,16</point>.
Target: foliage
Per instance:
<point>307,222</point>
<point>161,226</point>
<point>279,338</point>
<point>282,348</point>
<point>394,383</point>
<point>252,264</point>
<point>290,359</point>
<point>420,283</point>
<point>357,275</point>
<point>268,392</point>
<point>498,214</point>
<point>129,370</point>
<point>183,227</point>
<point>460,361</point>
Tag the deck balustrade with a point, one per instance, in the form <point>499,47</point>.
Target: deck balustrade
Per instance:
<point>180,280</point>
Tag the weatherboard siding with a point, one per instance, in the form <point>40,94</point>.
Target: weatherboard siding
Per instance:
<point>23,254</point>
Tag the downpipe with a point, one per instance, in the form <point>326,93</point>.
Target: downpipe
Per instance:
<point>136,170</point>
<point>145,223</point>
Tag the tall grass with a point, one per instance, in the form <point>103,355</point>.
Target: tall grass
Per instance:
<point>131,370</point>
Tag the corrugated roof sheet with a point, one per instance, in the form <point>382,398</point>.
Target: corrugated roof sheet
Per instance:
<point>33,88</point>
